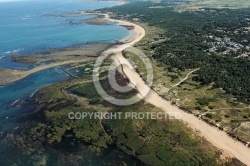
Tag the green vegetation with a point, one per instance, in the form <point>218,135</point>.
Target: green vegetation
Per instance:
<point>161,142</point>
<point>154,142</point>
<point>182,42</point>
<point>215,41</point>
<point>234,4</point>
<point>192,43</point>
<point>58,124</point>
<point>204,101</point>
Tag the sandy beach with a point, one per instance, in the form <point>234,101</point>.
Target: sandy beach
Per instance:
<point>9,75</point>
<point>229,146</point>
<point>52,59</point>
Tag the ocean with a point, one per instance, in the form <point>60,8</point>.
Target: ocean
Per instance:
<point>31,26</point>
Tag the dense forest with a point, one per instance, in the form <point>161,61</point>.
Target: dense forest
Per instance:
<point>215,40</point>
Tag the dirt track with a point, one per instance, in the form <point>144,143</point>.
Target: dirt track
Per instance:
<point>229,146</point>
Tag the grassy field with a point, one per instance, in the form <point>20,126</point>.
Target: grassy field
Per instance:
<point>234,4</point>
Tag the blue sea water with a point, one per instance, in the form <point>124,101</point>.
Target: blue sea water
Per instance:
<point>29,25</point>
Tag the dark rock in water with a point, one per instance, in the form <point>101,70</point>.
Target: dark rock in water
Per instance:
<point>74,22</point>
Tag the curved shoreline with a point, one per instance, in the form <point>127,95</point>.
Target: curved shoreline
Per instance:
<point>54,58</point>
<point>217,137</point>
<point>15,75</point>
<point>230,147</point>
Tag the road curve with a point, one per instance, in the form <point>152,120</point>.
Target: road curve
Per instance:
<point>215,136</point>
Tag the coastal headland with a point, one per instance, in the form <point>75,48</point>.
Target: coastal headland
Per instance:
<point>229,146</point>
